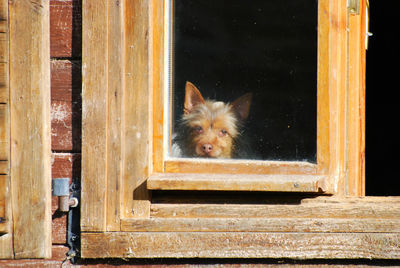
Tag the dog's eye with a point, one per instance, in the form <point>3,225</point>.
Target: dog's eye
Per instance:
<point>223,133</point>
<point>198,129</point>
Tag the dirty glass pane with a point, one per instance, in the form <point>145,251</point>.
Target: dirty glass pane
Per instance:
<point>264,47</point>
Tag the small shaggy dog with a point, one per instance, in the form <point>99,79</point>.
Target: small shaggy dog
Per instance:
<point>209,128</point>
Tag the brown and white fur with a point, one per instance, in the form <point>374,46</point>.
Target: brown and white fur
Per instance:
<point>209,128</point>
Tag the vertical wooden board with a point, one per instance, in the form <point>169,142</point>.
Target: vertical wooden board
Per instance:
<point>337,93</point>
<point>4,133</point>
<point>94,115</point>
<point>356,88</point>
<point>137,106</point>
<point>114,101</point>
<point>30,128</point>
<point>3,192</point>
<point>3,9</point>
<point>157,81</point>
<point>3,48</point>
<point>323,87</point>
<point>6,247</point>
<point>4,87</point>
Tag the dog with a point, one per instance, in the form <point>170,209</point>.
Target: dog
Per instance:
<point>210,128</point>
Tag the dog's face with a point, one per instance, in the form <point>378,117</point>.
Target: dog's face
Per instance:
<point>213,125</point>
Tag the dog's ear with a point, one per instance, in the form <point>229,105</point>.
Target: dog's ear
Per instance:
<point>241,106</point>
<point>193,97</point>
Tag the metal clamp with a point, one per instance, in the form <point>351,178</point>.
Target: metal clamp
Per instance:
<point>60,188</point>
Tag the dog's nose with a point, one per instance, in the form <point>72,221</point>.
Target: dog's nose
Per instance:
<point>207,148</point>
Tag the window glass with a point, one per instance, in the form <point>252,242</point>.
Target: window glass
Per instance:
<point>226,49</point>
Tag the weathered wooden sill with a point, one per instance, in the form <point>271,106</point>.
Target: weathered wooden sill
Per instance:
<point>237,182</point>
<point>322,227</point>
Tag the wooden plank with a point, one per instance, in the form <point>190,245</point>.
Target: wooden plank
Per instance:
<point>157,46</point>
<point>308,210</point>
<point>323,138</point>
<point>4,133</point>
<point>3,47</point>
<point>115,118</point>
<point>240,244</point>
<point>3,9</point>
<point>356,88</point>
<point>388,201</point>
<point>338,94</point>
<point>30,128</point>
<point>94,115</point>
<point>235,182</point>
<point>236,166</point>
<point>4,86</point>
<point>3,196</point>
<point>4,167</point>
<point>65,28</point>
<point>137,103</point>
<point>58,259</point>
<point>302,225</point>
<point>3,26</point>
<point>6,247</point>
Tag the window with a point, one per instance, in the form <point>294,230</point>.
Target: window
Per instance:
<point>308,171</point>
<point>132,203</point>
<point>268,49</point>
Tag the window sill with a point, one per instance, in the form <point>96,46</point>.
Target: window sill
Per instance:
<point>237,182</point>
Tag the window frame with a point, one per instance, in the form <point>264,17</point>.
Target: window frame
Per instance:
<point>329,172</point>
<point>121,138</point>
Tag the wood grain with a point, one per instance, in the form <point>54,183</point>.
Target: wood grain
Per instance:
<point>236,166</point>
<point>312,210</point>
<point>115,96</point>
<point>4,75</point>
<point>6,239</point>
<point>94,115</point>
<point>3,196</point>
<point>240,244</point>
<point>356,88</point>
<point>337,94</point>
<point>4,133</point>
<point>156,46</point>
<point>302,225</point>
<point>30,128</point>
<point>236,182</point>
<point>137,103</point>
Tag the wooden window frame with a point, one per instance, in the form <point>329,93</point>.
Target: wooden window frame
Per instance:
<point>327,175</point>
<point>123,143</point>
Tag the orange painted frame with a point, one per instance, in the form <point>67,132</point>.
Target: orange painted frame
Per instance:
<point>334,108</point>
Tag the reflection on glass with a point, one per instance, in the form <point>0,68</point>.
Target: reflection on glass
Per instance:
<point>257,62</point>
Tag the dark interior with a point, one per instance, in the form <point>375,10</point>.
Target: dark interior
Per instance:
<point>268,48</point>
<point>382,139</point>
